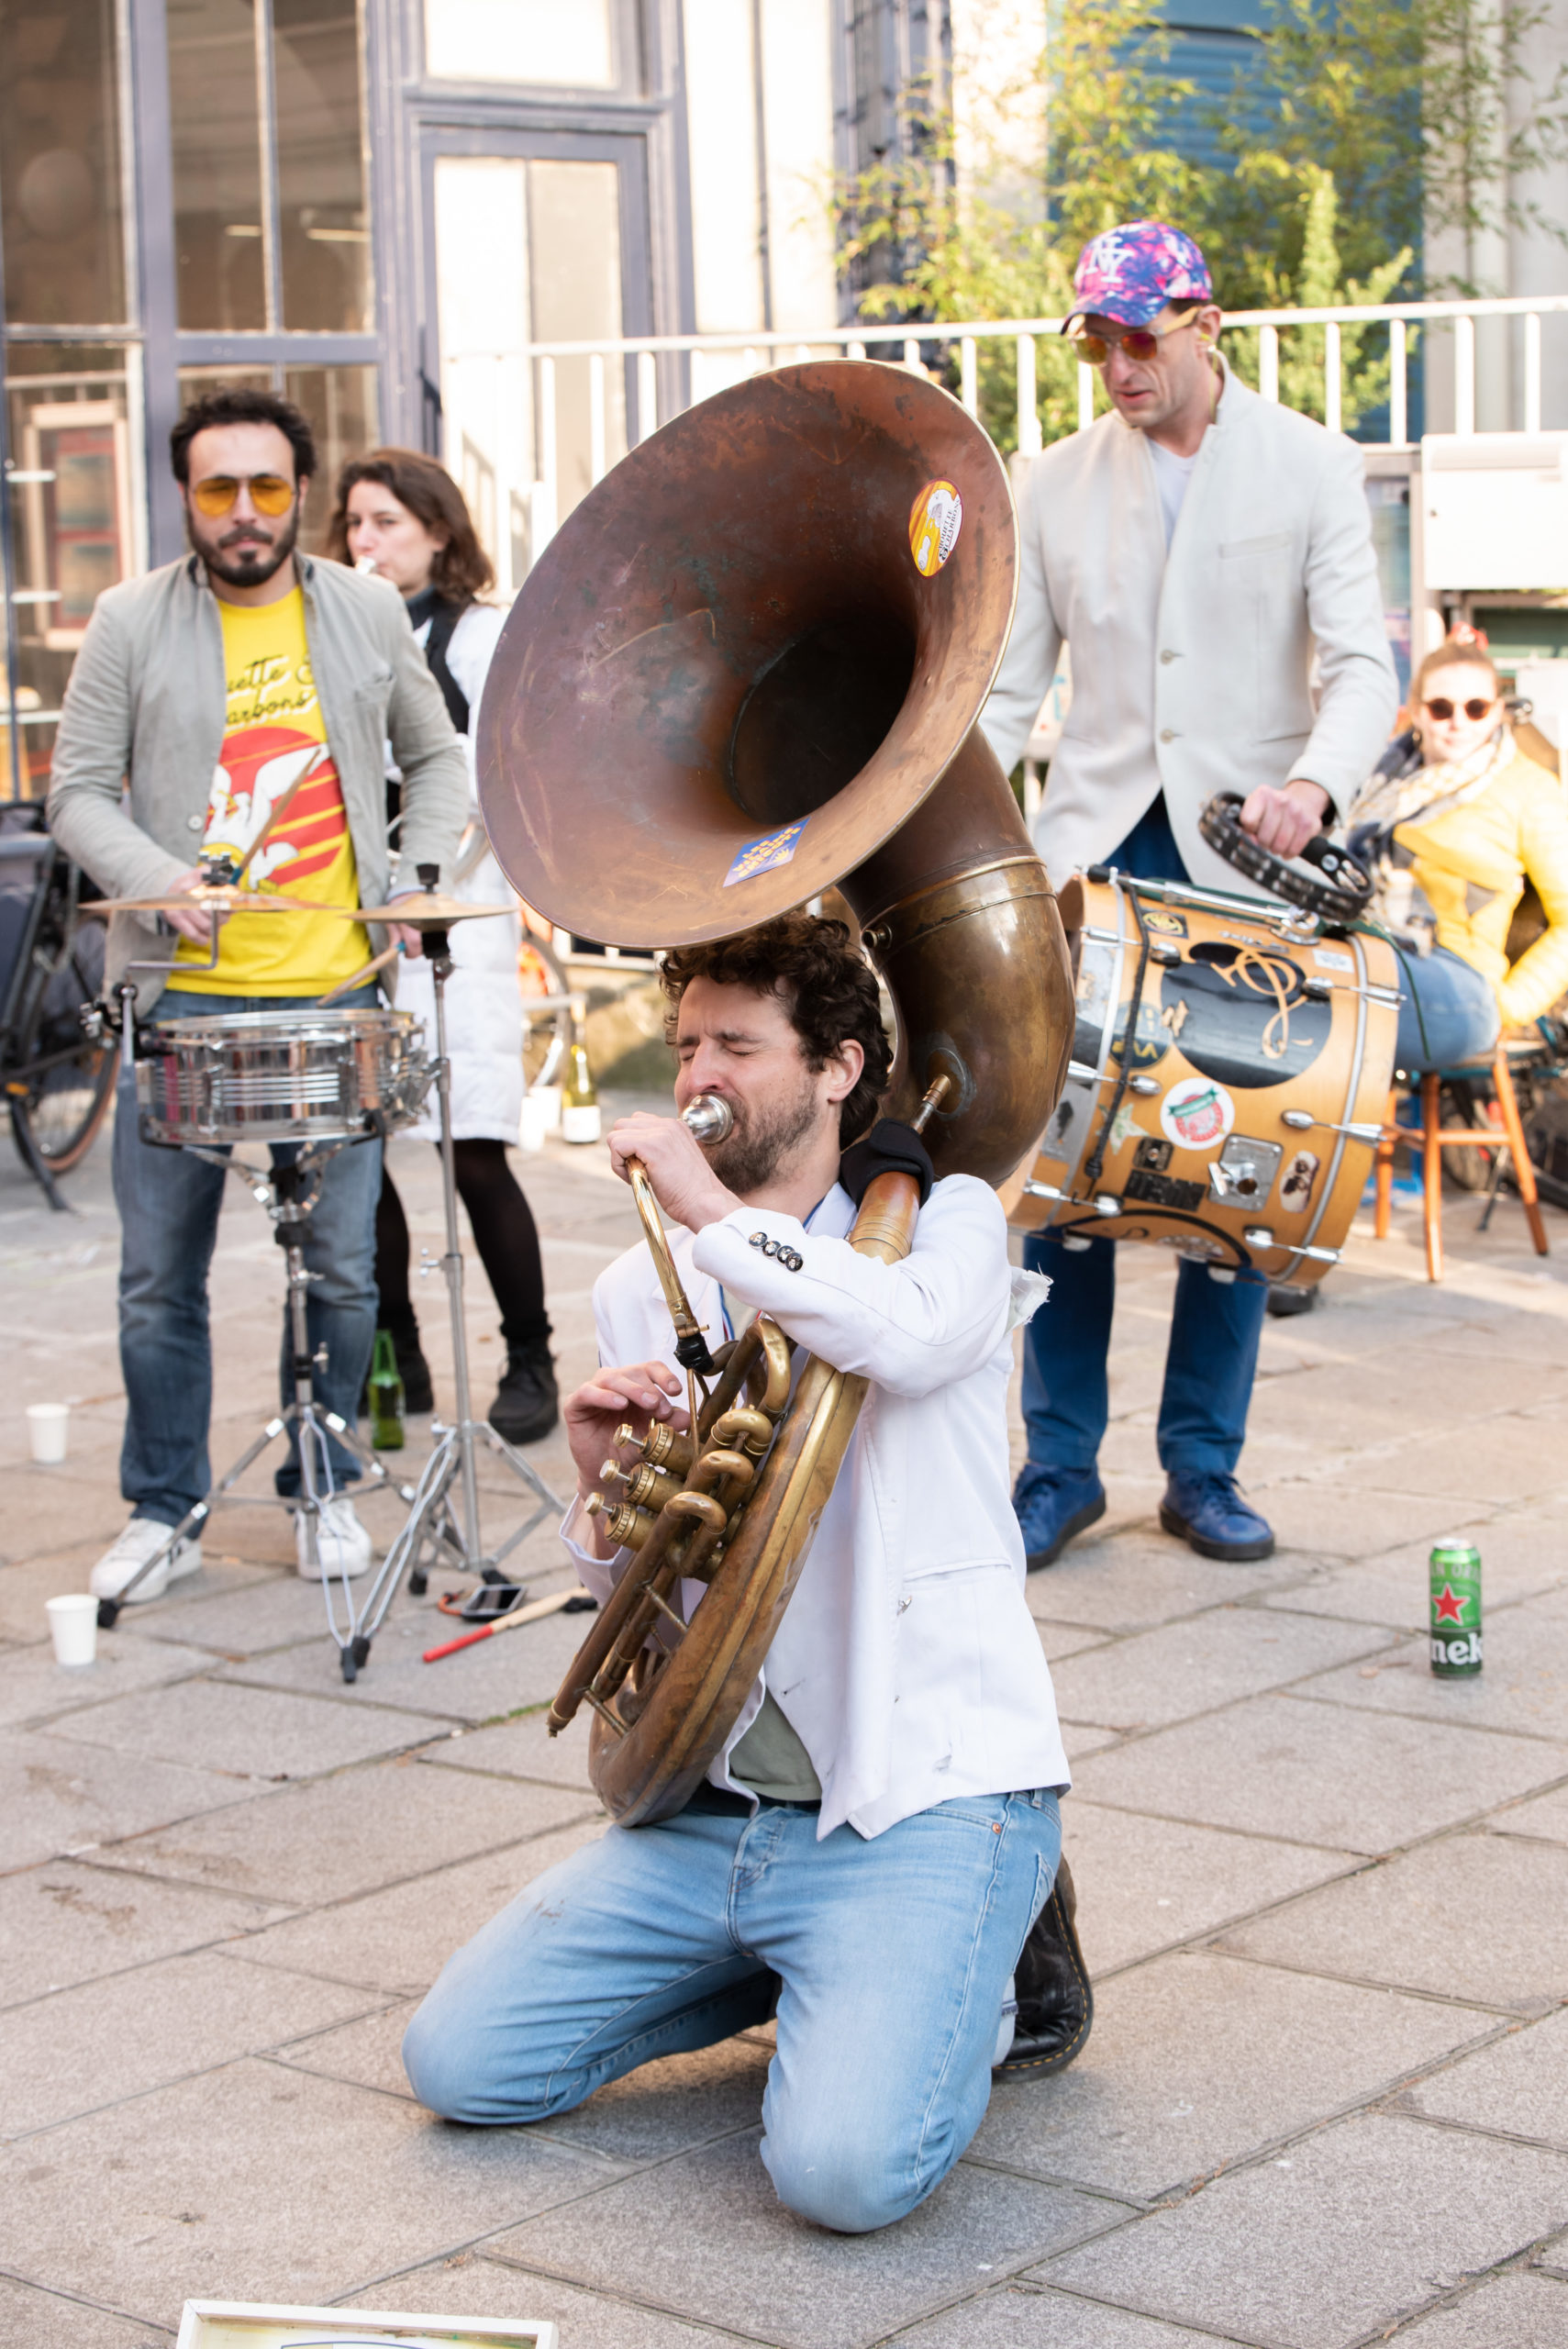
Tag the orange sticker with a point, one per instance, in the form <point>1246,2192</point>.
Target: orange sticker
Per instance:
<point>935,521</point>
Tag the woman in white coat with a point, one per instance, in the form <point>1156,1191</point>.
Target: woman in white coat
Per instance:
<point>401,514</point>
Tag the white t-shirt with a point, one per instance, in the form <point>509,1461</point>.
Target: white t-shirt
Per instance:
<point>1173,475</point>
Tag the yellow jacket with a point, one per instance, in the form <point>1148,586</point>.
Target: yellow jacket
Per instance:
<point>1472,864</point>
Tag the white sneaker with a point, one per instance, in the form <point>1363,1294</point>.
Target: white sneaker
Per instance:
<point>343,1545</point>
<point>142,1539</point>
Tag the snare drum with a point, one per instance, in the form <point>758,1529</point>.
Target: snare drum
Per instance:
<point>1240,1123</point>
<point>299,1076</point>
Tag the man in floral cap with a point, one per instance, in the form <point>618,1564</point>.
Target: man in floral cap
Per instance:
<point>1206,556</point>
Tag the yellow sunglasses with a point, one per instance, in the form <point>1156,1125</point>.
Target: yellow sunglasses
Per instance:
<point>270,494</point>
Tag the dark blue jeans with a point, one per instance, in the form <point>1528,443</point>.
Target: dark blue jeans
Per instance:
<point>1214,1327</point>
<point>169,1202</point>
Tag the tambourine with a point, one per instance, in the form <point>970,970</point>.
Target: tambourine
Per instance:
<point>1342,895</point>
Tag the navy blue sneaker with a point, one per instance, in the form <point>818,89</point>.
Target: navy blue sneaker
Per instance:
<point>1209,1515</point>
<point>1052,1505</point>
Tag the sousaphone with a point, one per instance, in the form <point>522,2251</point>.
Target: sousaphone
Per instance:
<point>749,668</point>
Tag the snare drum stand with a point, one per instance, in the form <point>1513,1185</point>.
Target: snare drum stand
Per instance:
<point>289,1193</point>
<point>435,1530</point>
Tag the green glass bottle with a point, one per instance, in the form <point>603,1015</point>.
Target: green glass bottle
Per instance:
<point>579,1094</point>
<point>385,1395</point>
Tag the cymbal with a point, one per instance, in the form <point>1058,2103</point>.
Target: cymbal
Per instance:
<point>222,900</point>
<point>425,911</point>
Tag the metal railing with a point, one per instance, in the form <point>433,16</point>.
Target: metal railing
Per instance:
<point>651,382</point>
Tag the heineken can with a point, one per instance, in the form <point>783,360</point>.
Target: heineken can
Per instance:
<point>1455,1646</point>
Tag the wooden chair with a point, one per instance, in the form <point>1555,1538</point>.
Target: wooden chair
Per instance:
<point>1503,1130</point>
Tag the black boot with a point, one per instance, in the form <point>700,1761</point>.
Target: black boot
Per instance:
<point>1056,2004</point>
<point>527,1405</point>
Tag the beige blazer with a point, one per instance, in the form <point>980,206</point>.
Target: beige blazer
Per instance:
<point>1193,672</point>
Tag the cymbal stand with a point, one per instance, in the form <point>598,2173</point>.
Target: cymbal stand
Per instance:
<point>289,1193</point>
<point>437,1529</point>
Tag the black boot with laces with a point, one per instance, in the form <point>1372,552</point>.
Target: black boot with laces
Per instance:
<point>526,1404</point>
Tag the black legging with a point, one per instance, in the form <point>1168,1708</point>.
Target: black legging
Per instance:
<point>504,1233</point>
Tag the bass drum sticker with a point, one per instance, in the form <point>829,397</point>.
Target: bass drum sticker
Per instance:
<point>1242,1015</point>
<point>1197,1114</point>
<point>935,521</point>
<point>1295,1183</point>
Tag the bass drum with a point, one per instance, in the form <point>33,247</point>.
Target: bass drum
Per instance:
<point>1240,1124</point>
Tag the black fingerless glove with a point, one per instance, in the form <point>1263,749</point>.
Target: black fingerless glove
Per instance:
<point>889,1149</point>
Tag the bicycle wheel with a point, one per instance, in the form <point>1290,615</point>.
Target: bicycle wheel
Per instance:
<point>63,1083</point>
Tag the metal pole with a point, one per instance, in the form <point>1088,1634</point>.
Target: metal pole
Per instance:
<point>441,965</point>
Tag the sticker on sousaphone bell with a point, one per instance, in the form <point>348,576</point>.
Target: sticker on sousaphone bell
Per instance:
<point>935,521</point>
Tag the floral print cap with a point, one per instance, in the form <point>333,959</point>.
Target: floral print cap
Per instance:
<point>1130,274</point>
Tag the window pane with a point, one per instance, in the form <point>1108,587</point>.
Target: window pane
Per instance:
<point>321,172</point>
<point>341,404</point>
<point>59,164</point>
<point>558,42</point>
<point>74,526</point>
<point>217,164</point>
<point>482,269</point>
<point>575,240</point>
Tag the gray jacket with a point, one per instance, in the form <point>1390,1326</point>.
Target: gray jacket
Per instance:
<point>146,702</point>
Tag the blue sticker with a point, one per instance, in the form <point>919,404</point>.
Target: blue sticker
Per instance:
<point>762,856</point>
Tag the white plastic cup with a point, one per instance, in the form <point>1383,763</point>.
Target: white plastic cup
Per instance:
<point>549,1098</point>
<point>534,1124</point>
<point>73,1627</point>
<point>47,1424</point>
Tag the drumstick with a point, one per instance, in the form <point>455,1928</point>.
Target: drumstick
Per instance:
<point>557,1601</point>
<point>357,978</point>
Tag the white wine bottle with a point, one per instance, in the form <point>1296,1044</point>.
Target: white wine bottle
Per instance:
<point>579,1094</point>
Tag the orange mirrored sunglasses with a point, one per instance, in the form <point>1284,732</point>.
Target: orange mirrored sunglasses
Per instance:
<point>1136,342</point>
<point>270,494</point>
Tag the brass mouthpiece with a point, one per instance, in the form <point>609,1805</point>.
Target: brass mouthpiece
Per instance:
<point>709,1118</point>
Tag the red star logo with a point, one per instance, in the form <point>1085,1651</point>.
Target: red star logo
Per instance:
<point>1449,1610</point>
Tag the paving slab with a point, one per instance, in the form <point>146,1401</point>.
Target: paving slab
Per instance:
<point>1546,1817</point>
<point>738,2259</point>
<point>1523,1688</point>
<point>264,1733</point>
<point>368,2053</point>
<point>103,2041</point>
<point>267,1609</point>
<point>1025,2316</point>
<point>472,2286</point>
<point>1477,1917</point>
<point>354,1832</point>
<point>47,2321</point>
<point>498,1676</point>
<point>520,1749</point>
<point>1130,1581</point>
<point>1195,1666</point>
<point>670,2107</point>
<point>1519,2085</point>
<point>1356,1513</point>
<point>260,2183</point>
<point>1358,2226</point>
<point>35,1689</point>
<point>59,1797</point>
<point>398,1940</point>
<point>1326,1775</point>
<point>1500,1460</point>
<point>1516,2311</point>
<point>70,1923</point>
<point>1195,2061</point>
<point>1144,1884</point>
<point>55,1508</point>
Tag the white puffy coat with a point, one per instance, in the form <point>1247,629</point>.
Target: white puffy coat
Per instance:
<point>484,1014</point>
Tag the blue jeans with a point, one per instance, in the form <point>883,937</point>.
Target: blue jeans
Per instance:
<point>1214,1327</point>
<point>1449,1015</point>
<point>169,1202</point>
<point>892,1958</point>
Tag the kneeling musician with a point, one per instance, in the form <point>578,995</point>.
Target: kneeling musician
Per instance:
<point>875,1854</point>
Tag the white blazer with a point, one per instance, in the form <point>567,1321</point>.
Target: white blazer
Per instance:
<point>1193,672</point>
<point>907,1661</point>
<point>484,1007</point>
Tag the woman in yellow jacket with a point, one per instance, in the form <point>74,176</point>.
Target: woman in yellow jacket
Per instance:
<point>1453,824</point>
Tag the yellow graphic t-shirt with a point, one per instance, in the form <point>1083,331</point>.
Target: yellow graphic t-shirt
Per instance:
<point>274,735</point>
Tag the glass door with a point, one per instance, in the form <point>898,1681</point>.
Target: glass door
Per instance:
<point>534,240</point>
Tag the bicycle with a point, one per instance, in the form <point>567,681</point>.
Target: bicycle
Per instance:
<point>58,1080</point>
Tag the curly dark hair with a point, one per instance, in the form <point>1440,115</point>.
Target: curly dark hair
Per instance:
<point>243,404</point>
<point>825,982</point>
<point>461,570</point>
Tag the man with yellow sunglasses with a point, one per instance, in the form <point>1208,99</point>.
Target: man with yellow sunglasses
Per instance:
<point>1206,556</point>
<point>247,692</point>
